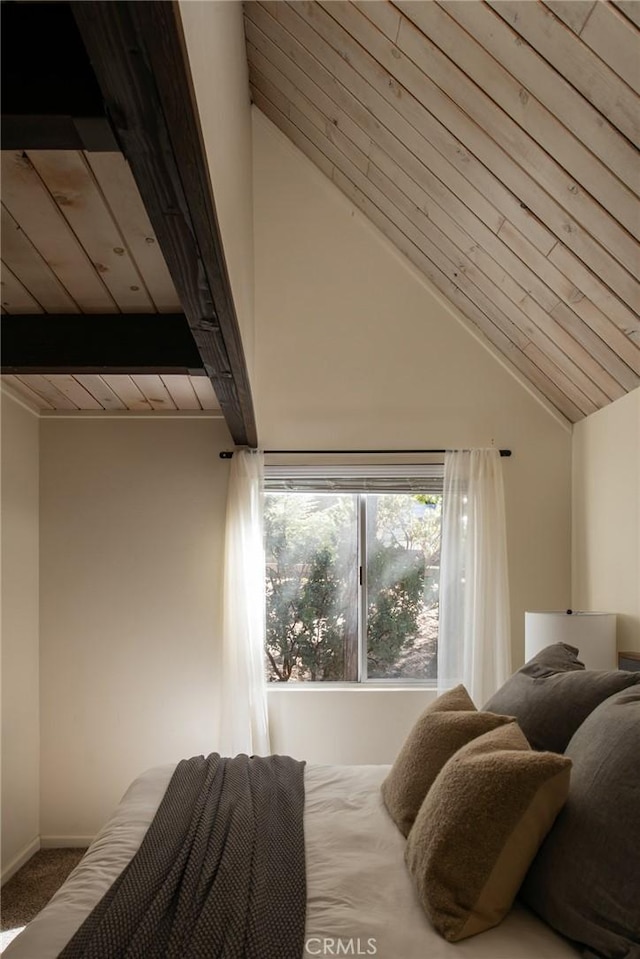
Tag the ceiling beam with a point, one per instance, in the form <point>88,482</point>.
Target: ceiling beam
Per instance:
<point>59,132</point>
<point>50,95</point>
<point>138,54</point>
<point>110,343</point>
<point>45,67</point>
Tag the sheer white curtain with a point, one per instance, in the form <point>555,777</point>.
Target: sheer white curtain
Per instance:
<point>474,629</point>
<point>244,724</point>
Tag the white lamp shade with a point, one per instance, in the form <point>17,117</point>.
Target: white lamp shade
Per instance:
<point>594,634</point>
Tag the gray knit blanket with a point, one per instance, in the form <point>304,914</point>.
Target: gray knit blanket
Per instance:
<point>220,873</point>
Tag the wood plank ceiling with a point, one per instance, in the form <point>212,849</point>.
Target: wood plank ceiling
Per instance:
<point>76,239</point>
<point>115,291</point>
<point>496,144</point>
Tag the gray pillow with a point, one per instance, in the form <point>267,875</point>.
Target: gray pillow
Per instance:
<point>556,658</point>
<point>585,880</point>
<point>553,694</point>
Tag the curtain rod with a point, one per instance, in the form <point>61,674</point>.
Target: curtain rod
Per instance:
<point>227,454</point>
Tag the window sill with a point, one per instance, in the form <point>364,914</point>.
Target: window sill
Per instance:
<point>389,686</point>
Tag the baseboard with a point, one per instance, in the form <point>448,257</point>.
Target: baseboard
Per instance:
<point>65,842</point>
<point>18,861</point>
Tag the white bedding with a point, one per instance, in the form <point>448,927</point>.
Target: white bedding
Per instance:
<point>360,896</point>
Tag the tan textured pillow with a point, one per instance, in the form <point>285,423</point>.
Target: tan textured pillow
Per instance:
<point>480,827</point>
<point>448,723</point>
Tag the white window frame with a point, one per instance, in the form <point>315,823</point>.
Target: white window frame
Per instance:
<point>358,480</point>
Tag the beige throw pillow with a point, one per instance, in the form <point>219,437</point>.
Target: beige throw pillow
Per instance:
<point>480,827</point>
<point>445,726</point>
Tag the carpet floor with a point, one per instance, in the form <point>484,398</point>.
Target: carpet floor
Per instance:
<point>26,893</point>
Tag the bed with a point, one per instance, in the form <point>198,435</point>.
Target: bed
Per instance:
<point>366,835</point>
<point>360,897</point>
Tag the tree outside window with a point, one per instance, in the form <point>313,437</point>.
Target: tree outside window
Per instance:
<point>352,586</point>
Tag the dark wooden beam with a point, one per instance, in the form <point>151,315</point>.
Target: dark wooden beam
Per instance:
<point>50,96</point>
<point>44,64</point>
<point>45,132</point>
<point>111,343</point>
<point>137,51</point>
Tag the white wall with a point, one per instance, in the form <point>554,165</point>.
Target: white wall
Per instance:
<point>343,726</point>
<point>132,526</point>
<point>214,35</point>
<point>355,349</point>
<point>606,515</point>
<point>20,654</point>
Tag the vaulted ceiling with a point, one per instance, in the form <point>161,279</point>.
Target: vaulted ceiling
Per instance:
<point>496,144</point>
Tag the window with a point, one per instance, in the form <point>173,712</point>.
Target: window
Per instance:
<point>352,573</point>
